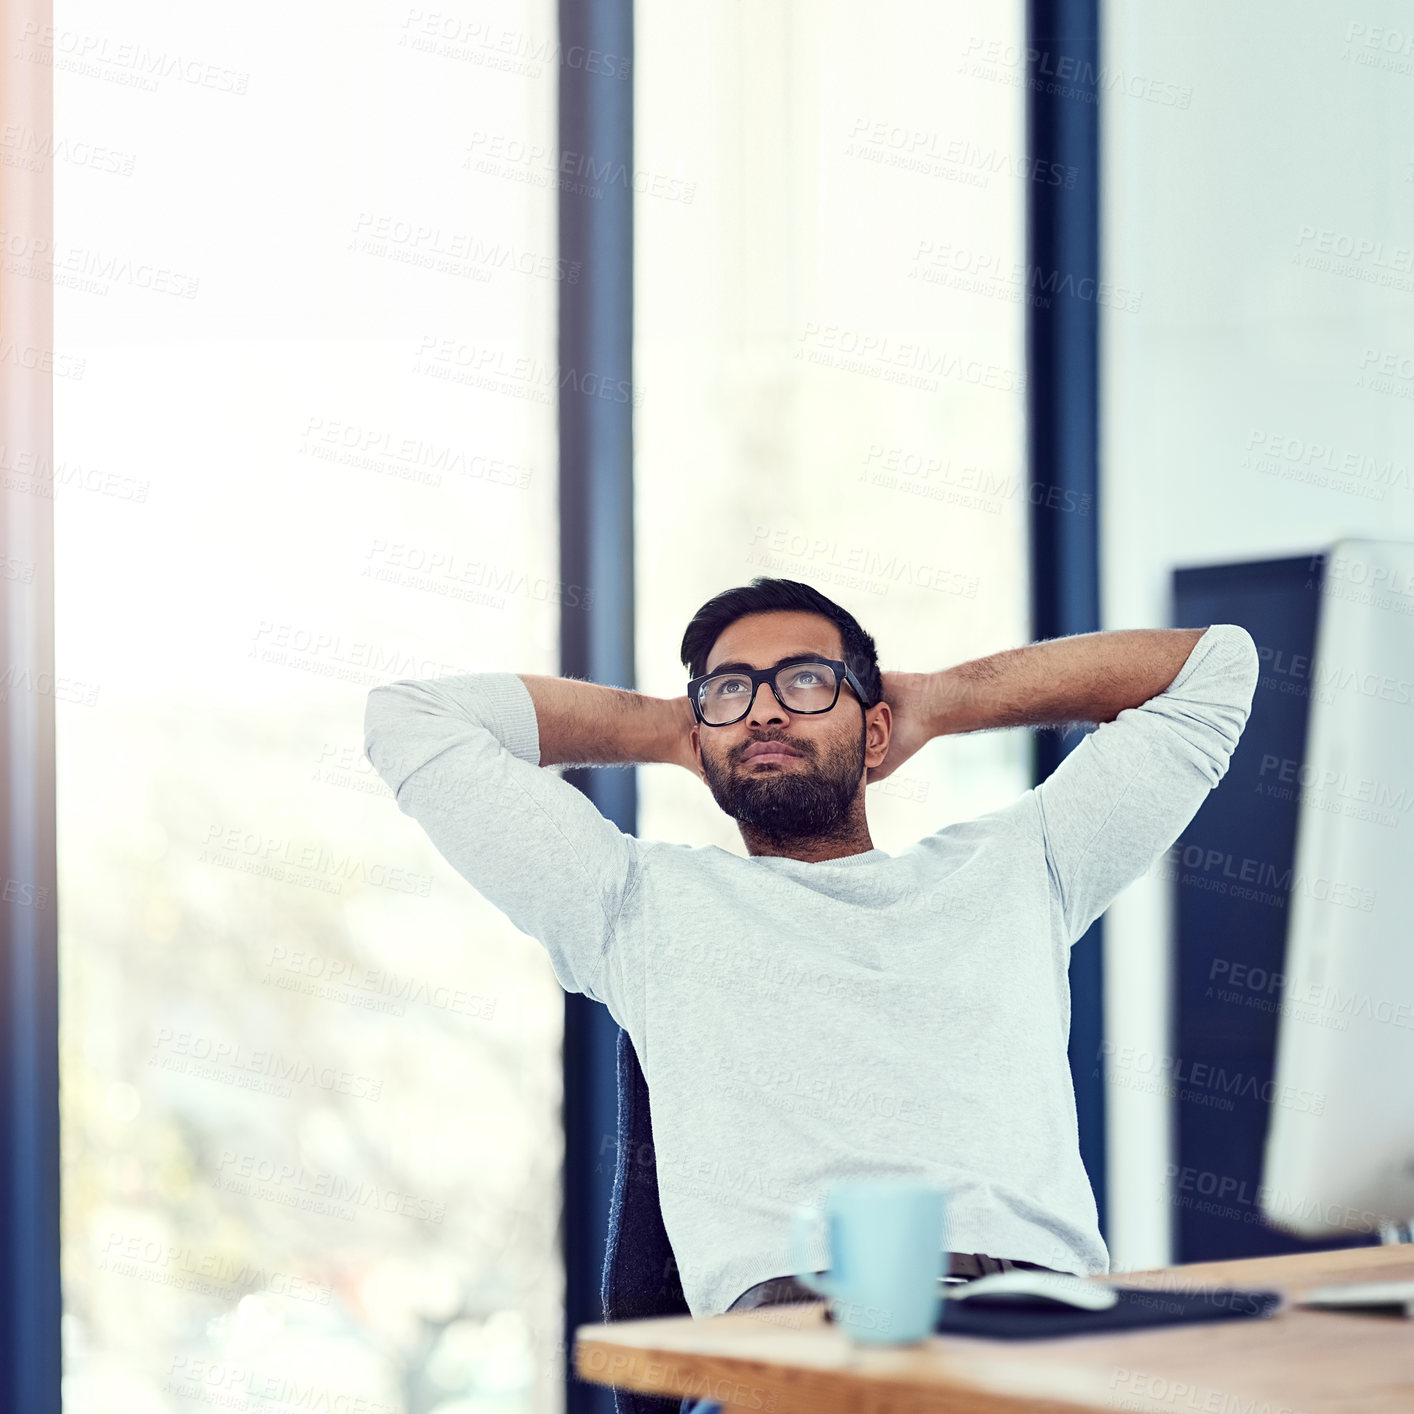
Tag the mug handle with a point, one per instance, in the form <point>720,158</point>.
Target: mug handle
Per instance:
<point>803,1225</point>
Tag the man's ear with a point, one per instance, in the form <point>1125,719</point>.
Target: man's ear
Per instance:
<point>878,733</point>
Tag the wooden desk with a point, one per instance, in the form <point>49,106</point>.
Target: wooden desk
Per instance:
<point>790,1360</point>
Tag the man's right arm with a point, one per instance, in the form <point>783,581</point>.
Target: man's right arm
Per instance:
<point>463,757</point>
<point>586,724</point>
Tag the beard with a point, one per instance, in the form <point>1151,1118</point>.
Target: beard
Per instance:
<point>785,804</point>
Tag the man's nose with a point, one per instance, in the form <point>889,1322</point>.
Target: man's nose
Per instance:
<point>772,710</point>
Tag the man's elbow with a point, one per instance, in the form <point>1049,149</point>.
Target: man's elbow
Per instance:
<point>1247,663</point>
<point>1235,678</point>
<point>382,713</point>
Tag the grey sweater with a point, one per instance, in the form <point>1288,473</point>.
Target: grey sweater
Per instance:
<point>799,1023</point>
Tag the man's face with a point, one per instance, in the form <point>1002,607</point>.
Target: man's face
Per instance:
<point>805,790</point>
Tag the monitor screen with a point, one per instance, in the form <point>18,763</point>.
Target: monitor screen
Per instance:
<point>1340,1147</point>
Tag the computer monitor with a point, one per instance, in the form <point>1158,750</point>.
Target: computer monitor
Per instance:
<point>1340,1145</point>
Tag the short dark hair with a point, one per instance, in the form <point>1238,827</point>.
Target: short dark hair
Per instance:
<point>765,595</point>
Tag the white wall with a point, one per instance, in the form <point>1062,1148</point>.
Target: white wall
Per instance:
<point>1267,226</point>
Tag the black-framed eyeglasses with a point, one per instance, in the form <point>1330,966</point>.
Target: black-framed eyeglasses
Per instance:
<point>803,685</point>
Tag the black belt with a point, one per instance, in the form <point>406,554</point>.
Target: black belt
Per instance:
<point>978,1264</point>
<point>962,1266</point>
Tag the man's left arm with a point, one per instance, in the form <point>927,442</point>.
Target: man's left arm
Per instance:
<point>1172,704</point>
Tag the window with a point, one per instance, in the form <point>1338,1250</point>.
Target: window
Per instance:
<point>829,325</point>
<point>311,1081</point>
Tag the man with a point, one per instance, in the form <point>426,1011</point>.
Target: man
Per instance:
<point>822,1010</point>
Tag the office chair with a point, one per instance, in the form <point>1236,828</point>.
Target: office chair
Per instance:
<point>640,1272</point>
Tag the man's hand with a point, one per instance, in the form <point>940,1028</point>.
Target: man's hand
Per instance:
<point>908,696</point>
<point>679,751</point>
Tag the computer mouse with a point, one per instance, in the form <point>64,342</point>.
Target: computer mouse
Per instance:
<point>1035,1289</point>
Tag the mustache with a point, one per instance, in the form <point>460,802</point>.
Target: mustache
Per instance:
<point>769,741</point>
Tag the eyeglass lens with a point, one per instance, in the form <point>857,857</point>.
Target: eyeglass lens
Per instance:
<point>804,687</point>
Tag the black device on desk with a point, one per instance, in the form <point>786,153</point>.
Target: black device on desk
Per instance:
<point>1024,1305</point>
<point>1040,1305</point>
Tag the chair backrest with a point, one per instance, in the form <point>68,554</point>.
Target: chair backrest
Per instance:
<point>640,1271</point>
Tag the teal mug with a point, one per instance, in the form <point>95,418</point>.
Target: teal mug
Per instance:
<point>886,1257</point>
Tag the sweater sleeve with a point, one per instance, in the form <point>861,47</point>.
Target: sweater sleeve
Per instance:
<point>461,755</point>
<point>1127,791</point>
